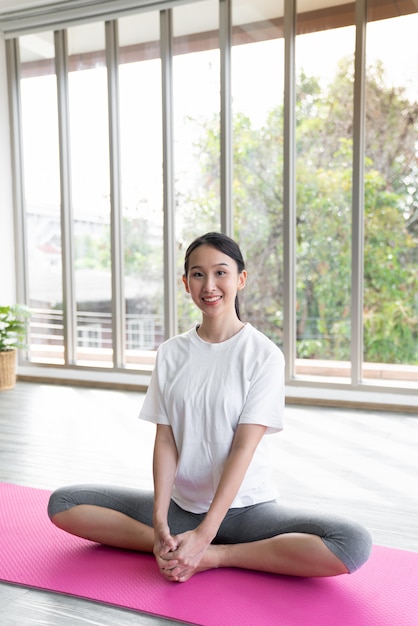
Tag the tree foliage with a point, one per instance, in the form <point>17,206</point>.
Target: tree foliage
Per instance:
<point>324,206</point>
<point>324,131</point>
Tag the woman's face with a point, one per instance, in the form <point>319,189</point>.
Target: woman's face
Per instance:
<point>213,281</point>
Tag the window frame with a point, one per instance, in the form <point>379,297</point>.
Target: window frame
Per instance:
<point>289,27</point>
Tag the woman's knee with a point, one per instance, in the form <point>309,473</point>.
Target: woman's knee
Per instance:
<point>352,544</point>
<point>364,543</point>
<point>60,500</point>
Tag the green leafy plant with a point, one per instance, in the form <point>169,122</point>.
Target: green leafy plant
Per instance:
<point>13,326</point>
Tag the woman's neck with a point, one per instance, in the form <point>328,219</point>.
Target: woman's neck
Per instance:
<point>217,331</point>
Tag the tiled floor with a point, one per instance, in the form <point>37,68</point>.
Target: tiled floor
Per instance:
<point>358,463</point>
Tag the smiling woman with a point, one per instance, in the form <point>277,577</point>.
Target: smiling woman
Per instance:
<point>213,280</point>
<point>215,393</point>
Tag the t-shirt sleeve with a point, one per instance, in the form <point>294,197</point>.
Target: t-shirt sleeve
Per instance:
<point>265,400</point>
<point>153,409</point>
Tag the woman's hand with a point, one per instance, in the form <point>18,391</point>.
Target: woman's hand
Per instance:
<point>187,557</point>
<point>164,467</point>
<point>164,544</point>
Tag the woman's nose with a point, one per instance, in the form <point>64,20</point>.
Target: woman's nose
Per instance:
<point>209,283</point>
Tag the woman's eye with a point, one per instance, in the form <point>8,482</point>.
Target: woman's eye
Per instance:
<point>221,273</point>
<point>197,274</point>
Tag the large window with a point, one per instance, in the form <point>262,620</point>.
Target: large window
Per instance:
<point>141,183</point>
<point>143,131</point>
<point>90,192</point>
<point>196,108</point>
<point>257,131</point>
<point>324,157</point>
<point>391,199</point>
<point>41,189</point>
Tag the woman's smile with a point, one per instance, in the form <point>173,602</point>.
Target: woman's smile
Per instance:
<point>211,299</point>
<point>213,281</point>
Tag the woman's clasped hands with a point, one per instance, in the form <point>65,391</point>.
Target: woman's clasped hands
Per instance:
<point>181,556</point>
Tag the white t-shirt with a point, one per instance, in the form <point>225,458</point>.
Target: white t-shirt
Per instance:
<point>203,391</point>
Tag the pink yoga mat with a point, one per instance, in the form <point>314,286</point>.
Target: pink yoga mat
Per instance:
<point>36,554</point>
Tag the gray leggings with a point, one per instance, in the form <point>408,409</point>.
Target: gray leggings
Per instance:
<point>348,540</point>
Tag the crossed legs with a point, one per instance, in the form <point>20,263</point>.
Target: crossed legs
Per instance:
<point>294,554</point>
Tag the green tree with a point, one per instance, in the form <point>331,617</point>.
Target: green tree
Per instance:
<point>324,162</point>
<point>390,323</point>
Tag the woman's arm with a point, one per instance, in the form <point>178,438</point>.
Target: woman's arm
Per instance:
<point>164,471</point>
<point>192,545</point>
<point>246,440</point>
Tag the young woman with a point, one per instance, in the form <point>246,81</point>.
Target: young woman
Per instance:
<point>215,393</point>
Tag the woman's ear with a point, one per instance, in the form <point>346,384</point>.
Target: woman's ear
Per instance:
<point>185,282</point>
<point>242,279</point>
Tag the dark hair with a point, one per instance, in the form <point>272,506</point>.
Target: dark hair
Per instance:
<point>224,244</point>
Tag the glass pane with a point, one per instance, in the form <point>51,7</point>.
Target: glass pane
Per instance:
<point>391,200</point>
<point>257,95</point>
<point>141,179</point>
<point>196,85</point>
<point>89,144</point>
<point>41,183</point>
<point>324,113</point>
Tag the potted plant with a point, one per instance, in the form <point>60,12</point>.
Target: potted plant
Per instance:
<point>13,327</point>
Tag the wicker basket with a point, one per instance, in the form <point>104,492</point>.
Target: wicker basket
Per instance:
<point>7,369</point>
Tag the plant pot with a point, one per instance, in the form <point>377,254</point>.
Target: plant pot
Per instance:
<point>7,369</point>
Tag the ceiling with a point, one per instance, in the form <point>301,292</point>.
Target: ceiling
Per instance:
<point>16,5</point>
<point>243,12</point>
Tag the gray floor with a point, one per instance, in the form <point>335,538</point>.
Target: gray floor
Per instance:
<point>358,463</point>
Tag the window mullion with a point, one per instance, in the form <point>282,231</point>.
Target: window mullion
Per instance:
<point>13,62</point>
<point>225,33</point>
<point>116,231</point>
<point>289,190</point>
<point>67,234</point>
<point>170,275</point>
<point>357,237</point>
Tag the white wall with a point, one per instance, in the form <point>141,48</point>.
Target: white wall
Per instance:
<point>7,265</point>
